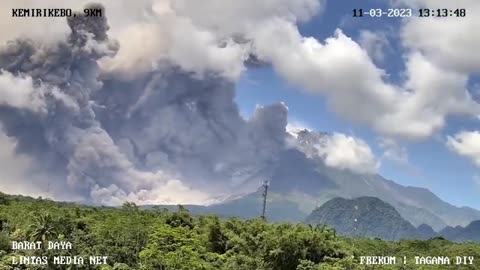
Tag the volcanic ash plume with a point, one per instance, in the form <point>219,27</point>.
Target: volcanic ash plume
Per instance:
<point>165,136</point>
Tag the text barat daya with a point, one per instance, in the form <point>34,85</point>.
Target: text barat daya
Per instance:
<point>25,245</point>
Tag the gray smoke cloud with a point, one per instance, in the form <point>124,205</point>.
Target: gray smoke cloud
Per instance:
<point>163,136</point>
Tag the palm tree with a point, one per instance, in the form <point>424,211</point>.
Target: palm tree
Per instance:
<point>43,228</point>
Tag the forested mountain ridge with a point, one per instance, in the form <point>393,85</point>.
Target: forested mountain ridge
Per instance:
<point>365,216</point>
<point>133,238</point>
<point>374,218</point>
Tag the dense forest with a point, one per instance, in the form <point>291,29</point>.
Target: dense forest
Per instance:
<point>133,238</point>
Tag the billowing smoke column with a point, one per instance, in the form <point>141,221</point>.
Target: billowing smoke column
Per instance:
<point>158,138</point>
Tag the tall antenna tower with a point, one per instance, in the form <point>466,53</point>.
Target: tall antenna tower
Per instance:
<point>264,195</point>
<point>355,226</point>
<point>46,191</point>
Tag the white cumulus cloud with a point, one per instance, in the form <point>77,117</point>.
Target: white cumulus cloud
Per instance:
<point>336,150</point>
<point>466,144</point>
<point>346,152</point>
<point>412,110</point>
<point>449,42</point>
<point>199,36</point>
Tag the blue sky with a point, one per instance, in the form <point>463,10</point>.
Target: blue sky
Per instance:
<point>431,164</point>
